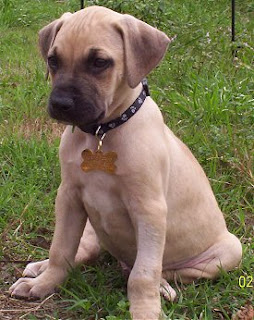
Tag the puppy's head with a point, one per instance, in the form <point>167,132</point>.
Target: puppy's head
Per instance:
<point>90,55</point>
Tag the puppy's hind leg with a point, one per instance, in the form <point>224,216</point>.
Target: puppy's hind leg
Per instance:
<point>33,269</point>
<point>89,246</point>
<point>226,254</point>
<point>166,291</point>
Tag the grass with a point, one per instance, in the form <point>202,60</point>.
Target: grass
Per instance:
<point>207,99</point>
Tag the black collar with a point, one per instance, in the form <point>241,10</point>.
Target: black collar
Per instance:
<point>103,128</point>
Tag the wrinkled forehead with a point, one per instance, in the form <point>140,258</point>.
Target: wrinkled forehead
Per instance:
<point>88,30</point>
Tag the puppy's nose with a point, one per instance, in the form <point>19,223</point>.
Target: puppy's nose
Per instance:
<point>61,103</point>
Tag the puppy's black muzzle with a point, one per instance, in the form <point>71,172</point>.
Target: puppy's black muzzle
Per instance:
<point>77,104</point>
<point>61,103</point>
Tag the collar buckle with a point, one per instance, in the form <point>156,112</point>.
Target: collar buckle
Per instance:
<point>100,136</point>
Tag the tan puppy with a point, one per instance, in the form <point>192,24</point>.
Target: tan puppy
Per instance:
<point>157,213</point>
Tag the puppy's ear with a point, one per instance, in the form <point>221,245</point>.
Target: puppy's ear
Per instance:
<point>144,47</point>
<point>48,34</point>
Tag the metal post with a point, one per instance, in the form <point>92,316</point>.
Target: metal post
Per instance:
<point>233,20</point>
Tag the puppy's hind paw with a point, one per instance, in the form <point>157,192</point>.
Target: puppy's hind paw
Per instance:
<point>34,269</point>
<point>166,291</point>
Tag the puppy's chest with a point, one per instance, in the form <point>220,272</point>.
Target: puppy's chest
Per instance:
<point>102,200</point>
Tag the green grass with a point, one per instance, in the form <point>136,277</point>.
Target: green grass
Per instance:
<point>207,99</point>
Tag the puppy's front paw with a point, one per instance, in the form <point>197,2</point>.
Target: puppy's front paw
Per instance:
<point>144,310</point>
<point>34,269</point>
<point>31,288</point>
<point>145,315</point>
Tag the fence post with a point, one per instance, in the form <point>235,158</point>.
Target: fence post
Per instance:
<point>233,20</point>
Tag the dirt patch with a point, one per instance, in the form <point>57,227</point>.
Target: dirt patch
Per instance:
<point>245,313</point>
<point>15,309</point>
<point>52,307</point>
<point>39,128</point>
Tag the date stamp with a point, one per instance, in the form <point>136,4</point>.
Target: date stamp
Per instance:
<point>246,281</point>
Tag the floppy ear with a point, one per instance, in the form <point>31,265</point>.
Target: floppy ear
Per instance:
<point>144,47</point>
<point>48,34</point>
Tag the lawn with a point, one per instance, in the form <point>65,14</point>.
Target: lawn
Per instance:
<point>206,96</point>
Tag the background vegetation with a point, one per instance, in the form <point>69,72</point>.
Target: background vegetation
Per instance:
<point>206,97</point>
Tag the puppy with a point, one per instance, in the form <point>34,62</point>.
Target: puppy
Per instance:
<point>128,183</point>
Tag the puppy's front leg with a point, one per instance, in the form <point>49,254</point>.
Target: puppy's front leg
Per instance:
<point>149,219</point>
<point>70,223</point>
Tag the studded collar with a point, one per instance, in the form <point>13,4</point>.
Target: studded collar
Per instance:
<point>102,129</point>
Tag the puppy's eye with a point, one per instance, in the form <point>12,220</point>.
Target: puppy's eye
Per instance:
<point>53,63</point>
<point>101,63</point>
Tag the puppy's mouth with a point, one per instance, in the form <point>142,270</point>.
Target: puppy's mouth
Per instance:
<point>89,126</point>
<point>76,104</point>
<point>78,114</point>
<point>81,121</point>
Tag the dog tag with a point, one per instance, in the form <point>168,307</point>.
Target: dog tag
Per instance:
<point>99,161</point>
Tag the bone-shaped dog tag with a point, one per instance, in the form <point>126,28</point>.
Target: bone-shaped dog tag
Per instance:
<point>99,161</point>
